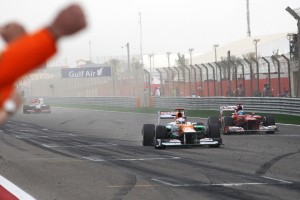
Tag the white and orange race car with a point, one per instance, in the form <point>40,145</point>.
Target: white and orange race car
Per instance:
<point>36,105</point>
<point>180,132</point>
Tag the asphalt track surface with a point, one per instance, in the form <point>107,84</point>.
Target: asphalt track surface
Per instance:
<point>75,154</point>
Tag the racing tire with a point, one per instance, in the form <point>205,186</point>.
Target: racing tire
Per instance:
<point>48,108</point>
<point>148,132</point>
<point>268,121</point>
<point>213,120</point>
<point>160,133</point>
<point>25,109</point>
<point>214,132</point>
<point>228,121</point>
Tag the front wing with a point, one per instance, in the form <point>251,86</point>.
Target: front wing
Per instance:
<point>237,129</point>
<point>43,110</point>
<point>175,142</point>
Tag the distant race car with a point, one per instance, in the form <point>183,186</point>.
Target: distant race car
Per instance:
<point>179,132</point>
<point>233,120</point>
<point>36,106</point>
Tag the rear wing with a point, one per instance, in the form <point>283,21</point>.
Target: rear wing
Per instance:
<point>169,115</point>
<point>228,108</point>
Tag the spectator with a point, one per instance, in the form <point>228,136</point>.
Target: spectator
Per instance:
<point>266,91</point>
<point>285,92</point>
<point>157,92</point>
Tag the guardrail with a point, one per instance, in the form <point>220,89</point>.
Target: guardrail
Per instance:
<point>108,101</point>
<point>289,106</point>
<point>274,105</point>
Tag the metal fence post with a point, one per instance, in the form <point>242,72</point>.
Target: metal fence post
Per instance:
<point>149,86</point>
<point>278,71</point>
<point>251,72</point>
<point>257,71</point>
<point>173,84</point>
<point>236,81</point>
<point>214,77</point>
<point>178,80</point>
<point>289,72</point>
<point>243,72</point>
<point>207,82</point>
<point>269,71</point>
<point>161,81</point>
<point>220,78</point>
<point>195,73</point>
<point>183,76</point>
<point>190,82</point>
<point>201,85</point>
<point>168,80</point>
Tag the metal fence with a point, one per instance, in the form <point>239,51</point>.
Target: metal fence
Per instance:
<point>245,77</point>
<point>289,106</point>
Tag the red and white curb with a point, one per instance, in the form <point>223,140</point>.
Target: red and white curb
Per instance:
<point>9,191</point>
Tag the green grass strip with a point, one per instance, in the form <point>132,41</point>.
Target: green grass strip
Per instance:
<point>279,118</point>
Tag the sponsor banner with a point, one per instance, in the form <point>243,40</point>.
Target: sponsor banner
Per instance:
<point>86,72</point>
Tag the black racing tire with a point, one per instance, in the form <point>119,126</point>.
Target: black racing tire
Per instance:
<point>213,120</point>
<point>269,120</point>
<point>161,132</point>
<point>148,132</point>
<point>25,109</point>
<point>228,121</point>
<point>270,132</point>
<point>48,107</point>
<point>214,132</point>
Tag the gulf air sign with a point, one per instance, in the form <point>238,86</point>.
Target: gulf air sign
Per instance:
<point>87,72</point>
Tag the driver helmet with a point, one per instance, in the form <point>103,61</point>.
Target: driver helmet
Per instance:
<point>180,120</point>
<point>240,112</point>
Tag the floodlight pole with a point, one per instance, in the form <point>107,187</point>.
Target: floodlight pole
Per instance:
<point>297,17</point>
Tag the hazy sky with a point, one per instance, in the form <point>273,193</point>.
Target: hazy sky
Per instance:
<point>167,25</point>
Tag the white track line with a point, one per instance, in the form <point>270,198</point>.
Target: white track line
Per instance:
<point>217,184</point>
<point>15,190</point>
<point>94,159</point>
<point>279,180</point>
<point>74,146</point>
<point>128,159</point>
<point>165,183</point>
<point>224,184</point>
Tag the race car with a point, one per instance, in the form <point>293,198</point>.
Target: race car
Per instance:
<point>234,120</point>
<point>179,132</point>
<point>36,106</point>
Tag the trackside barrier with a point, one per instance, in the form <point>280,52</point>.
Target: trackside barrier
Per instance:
<point>137,102</point>
<point>274,105</point>
<point>106,101</point>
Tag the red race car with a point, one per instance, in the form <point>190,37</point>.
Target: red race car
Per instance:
<point>36,106</point>
<point>236,120</point>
